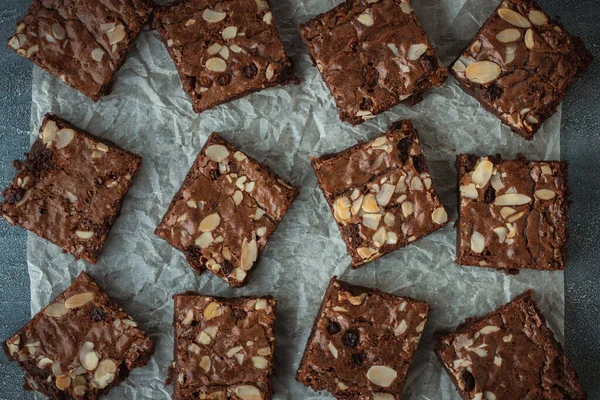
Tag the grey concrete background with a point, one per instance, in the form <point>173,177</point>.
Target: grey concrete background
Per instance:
<point>580,146</point>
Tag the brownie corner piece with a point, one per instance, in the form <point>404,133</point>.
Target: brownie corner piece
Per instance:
<point>223,347</point>
<point>362,342</point>
<point>372,55</point>
<point>83,46</point>
<point>381,193</point>
<point>225,212</point>
<point>70,187</point>
<point>509,353</point>
<point>81,345</point>
<point>223,50</point>
<point>520,65</point>
<point>512,213</point>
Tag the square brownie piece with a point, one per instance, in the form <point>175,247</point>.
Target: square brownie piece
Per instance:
<point>381,194</point>
<point>362,343</point>
<point>512,213</point>
<point>508,354</point>
<point>79,346</point>
<point>225,211</point>
<point>83,42</point>
<point>372,54</point>
<point>223,50</point>
<point>70,188</point>
<point>520,65</point>
<point>223,347</point>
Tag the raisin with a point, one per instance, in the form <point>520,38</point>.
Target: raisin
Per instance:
<point>333,327</point>
<point>366,103</point>
<point>98,314</point>
<point>214,174</point>
<point>370,75</point>
<point>351,338</point>
<point>358,358</point>
<point>428,62</point>
<point>467,380</point>
<point>12,195</point>
<point>226,267</point>
<point>419,163</point>
<point>490,195</point>
<point>250,71</point>
<point>224,79</point>
<point>470,162</point>
<point>404,146</point>
<point>238,314</point>
<point>494,91</point>
<point>205,81</point>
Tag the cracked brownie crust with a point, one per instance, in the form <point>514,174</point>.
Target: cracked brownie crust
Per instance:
<point>223,347</point>
<point>225,211</point>
<point>80,346</point>
<point>372,54</point>
<point>381,194</point>
<point>82,42</point>
<point>70,188</point>
<point>520,65</point>
<point>508,354</point>
<point>223,50</point>
<point>362,343</point>
<point>512,213</point>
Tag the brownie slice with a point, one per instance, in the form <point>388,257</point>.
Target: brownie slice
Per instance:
<point>508,354</point>
<point>223,347</point>
<point>79,346</point>
<point>381,194</point>
<point>70,188</point>
<point>362,343</point>
<point>512,213</point>
<point>83,42</point>
<point>520,65</point>
<point>372,55</point>
<point>225,211</point>
<point>223,49</point>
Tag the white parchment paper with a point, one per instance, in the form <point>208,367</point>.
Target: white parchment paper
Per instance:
<point>148,113</point>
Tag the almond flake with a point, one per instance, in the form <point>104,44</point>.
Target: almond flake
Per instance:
<point>477,242</point>
<point>381,375</point>
<point>204,240</point>
<point>483,72</point>
<point>385,194</point>
<point>88,357</point>
<point>365,19</point>
<point>268,18</point>
<point>216,64</point>
<point>56,310</point>
<point>512,199</point>
<point>439,216</point>
<point>64,137</point>
<point>79,300</point>
<point>482,173</point>
<point>380,237</point>
<point>247,392</point>
<point>212,310</point>
<point>209,223</point>
<point>116,35</point>
<point>214,49</point>
<point>58,32</point>
<point>486,330</point>
<point>333,350</point>
<point>105,374</point>
<point>401,328</point>
<point>415,51</point>
<point>407,209</point>
<point>213,16</point>
<point>529,42</point>
<point>98,54</point>
<point>366,252</point>
<point>249,254</point>
<point>537,17</point>
<point>509,35</point>
<point>545,194</point>
<point>513,18</point>
<point>469,191</point>
<point>234,351</point>
<point>371,220</point>
<point>229,33</point>
<point>205,363</point>
<point>369,204</point>
<point>217,152</point>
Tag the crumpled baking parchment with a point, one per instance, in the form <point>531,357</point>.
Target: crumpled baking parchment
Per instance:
<point>148,113</point>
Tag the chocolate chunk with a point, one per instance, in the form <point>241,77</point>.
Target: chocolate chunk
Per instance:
<point>419,163</point>
<point>494,92</point>
<point>358,358</point>
<point>250,71</point>
<point>467,380</point>
<point>13,195</point>
<point>370,75</point>
<point>224,79</point>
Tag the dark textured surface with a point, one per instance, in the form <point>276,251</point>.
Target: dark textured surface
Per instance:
<point>580,141</point>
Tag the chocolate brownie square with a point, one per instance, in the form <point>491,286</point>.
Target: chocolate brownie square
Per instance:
<point>381,194</point>
<point>520,65</point>
<point>372,54</point>
<point>225,211</point>
<point>223,50</point>
<point>362,343</point>
<point>508,354</point>
<point>81,345</point>
<point>223,347</point>
<point>70,188</point>
<point>83,42</point>
<point>512,213</point>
